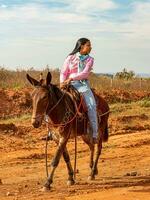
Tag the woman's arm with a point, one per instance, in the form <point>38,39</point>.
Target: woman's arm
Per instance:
<point>65,70</point>
<point>85,73</point>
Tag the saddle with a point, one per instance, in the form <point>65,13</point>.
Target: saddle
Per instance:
<point>77,99</point>
<point>76,96</point>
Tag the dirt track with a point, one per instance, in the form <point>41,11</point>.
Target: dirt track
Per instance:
<point>124,171</point>
<point>124,167</point>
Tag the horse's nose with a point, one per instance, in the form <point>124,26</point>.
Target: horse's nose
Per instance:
<point>36,124</point>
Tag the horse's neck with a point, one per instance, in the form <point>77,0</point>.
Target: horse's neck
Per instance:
<point>58,112</point>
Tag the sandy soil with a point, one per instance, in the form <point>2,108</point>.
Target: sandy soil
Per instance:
<point>124,166</point>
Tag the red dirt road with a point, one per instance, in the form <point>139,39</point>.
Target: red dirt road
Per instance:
<point>124,170</point>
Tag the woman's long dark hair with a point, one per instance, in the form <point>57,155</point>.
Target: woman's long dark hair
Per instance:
<point>80,42</point>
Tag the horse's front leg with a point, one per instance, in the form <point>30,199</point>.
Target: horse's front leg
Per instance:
<point>55,162</point>
<point>69,167</point>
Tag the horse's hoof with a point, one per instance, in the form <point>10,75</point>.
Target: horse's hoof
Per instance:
<point>96,172</point>
<point>45,189</point>
<point>91,178</point>
<point>70,182</point>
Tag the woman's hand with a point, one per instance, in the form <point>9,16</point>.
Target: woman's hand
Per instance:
<point>65,83</point>
<point>68,81</point>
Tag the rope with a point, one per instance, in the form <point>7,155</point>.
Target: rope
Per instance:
<point>56,103</point>
<point>64,124</point>
<point>105,113</point>
<point>46,145</point>
<point>75,158</point>
<point>46,157</point>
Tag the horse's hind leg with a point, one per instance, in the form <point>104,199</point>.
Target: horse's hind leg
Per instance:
<point>98,153</point>
<point>55,161</point>
<point>69,167</point>
<point>103,134</point>
<point>88,141</point>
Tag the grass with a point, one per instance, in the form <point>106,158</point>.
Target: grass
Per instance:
<point>17,79</point>
<point>15,120</point>
<point>120,107</point>
<point>132,108</point>
<point>145,103</point>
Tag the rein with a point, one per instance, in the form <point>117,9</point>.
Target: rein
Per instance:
<point>63,125</point>
<point>56,103</point>
<point>69,121</point>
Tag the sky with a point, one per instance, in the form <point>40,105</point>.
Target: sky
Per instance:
<point>37,33</point>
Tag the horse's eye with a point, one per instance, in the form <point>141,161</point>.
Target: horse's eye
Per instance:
<point>44,97</point>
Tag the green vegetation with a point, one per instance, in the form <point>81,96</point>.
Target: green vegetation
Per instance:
<point>125,74</point>
<point>145,103</point>
<point>15,120</point>
<point>133,108</point>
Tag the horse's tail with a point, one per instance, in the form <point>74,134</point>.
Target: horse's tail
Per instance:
<point>105,134</point>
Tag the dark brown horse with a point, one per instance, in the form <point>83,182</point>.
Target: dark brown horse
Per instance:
<point>49,100</point>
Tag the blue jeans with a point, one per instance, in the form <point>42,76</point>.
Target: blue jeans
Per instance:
<point>90,103</point>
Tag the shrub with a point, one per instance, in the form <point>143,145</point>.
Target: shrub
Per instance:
<point>145,103</point>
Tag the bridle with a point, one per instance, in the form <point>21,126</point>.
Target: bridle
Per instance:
<point>67,113</point>
<point>59,100</point>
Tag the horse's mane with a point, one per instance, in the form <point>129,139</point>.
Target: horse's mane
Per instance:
<point>53,88</point>
<point>57,91</point>
<point>69,89</point>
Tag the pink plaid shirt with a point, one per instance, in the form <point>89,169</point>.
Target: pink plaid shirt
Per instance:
<point>70,68</point>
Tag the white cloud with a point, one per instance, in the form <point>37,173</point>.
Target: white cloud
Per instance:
<point>75,11</point>
<point>93,5</point>
<point>136,27</point>
<point>140,19</point>
<point>34,12</point>
<point>13,13</point>
<point>3,6</point>
<point>37,28</point>
<point>37,16</point>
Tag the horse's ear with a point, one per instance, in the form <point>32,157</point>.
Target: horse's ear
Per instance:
<point>48,78</point>
<point>32,80</point>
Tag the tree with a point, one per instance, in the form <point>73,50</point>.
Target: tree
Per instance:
<point>125,74</point>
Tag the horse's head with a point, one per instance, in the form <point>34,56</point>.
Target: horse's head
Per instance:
<point>40,98</point>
